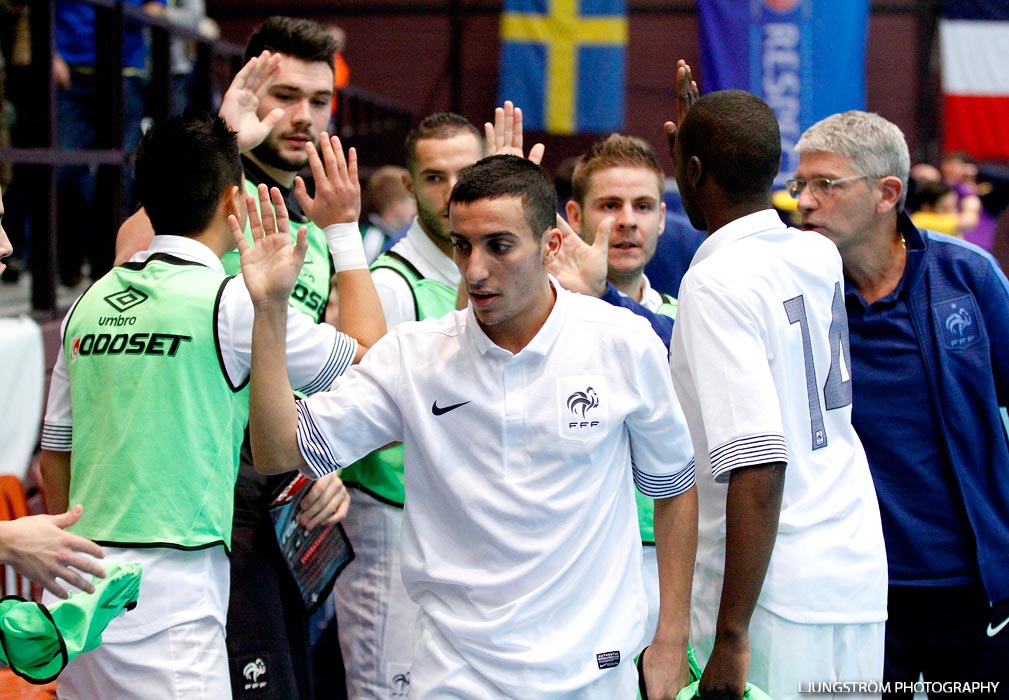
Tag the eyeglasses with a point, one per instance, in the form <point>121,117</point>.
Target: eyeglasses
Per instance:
<point>817,185</point>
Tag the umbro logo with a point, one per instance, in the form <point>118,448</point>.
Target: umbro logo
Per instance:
<point>126,299</point>
<point>442,410</point>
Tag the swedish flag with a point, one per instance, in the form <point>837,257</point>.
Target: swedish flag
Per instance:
<point>563,61</point>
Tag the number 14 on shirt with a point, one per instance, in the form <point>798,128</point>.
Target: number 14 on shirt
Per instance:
<point>837,388</point>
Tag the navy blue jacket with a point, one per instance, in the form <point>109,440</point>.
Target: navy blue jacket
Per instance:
<point>959,303</point>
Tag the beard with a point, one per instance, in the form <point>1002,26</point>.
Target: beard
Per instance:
<point>268,154</point>
<point>433,223</point>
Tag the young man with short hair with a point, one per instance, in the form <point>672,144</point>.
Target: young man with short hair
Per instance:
<point>790,583</point>
<point>620,177</point>
<point>157,351</point>
<point>519,538</point>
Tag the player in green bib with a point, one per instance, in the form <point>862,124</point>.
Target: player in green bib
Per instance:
<point>148,407</point>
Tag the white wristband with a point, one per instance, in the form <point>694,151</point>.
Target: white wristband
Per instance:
<point>346,246</point>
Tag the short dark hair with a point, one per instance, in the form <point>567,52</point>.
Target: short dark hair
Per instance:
<point>736,137</point>
<point>443,125</point>
<point>184,166</point>
<point>298,38</point>
<point>496,177</point>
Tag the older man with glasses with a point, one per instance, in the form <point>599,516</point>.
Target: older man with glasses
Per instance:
<point>928,317</point>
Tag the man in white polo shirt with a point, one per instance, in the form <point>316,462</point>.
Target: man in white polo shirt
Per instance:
<point>790,547</point>
<point>520,416</point>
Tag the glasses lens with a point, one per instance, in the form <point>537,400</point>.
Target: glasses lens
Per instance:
<point>794,187</point>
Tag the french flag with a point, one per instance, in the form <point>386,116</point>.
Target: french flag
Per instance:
<point>974,45</point>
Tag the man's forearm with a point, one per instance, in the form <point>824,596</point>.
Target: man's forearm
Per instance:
<point>676,549</point>
<point>361,314</point>
<point>55,469</point>
<point>273,419</point>
<point>753,507</point>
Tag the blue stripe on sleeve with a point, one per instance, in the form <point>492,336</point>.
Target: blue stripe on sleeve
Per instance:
<point>312,444</point>
<point>748,451</point>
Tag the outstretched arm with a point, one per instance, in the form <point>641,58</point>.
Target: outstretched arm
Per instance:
<point>753,507</point>
<point>665,663</point>
<point>270,267</point>
<point>336,208</point>
<point>38,547</point>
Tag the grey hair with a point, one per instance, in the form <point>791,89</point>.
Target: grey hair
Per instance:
<point>875,146</point>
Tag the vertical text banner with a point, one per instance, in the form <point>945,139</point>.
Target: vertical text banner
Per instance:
<point>804,58</point>
<point>563,63</point>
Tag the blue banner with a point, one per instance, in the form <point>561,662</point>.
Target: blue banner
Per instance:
<point>562,62</point>
<point>805,58</point>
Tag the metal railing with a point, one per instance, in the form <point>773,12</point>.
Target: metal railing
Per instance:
<point>374,125</point>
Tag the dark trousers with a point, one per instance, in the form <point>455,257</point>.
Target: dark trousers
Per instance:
<point>941,632</point>
<point>267,621</point>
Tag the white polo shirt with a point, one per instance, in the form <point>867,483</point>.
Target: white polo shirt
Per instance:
<point>761,366</point>
<point>520,536</point>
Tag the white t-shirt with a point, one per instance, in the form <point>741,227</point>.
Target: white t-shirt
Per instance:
<point>761,367</point>
<point>520,536</point>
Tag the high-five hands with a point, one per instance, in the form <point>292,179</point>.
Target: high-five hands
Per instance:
<point>504,136</point>
<point>271,263</point>
<point>337,190</point>
<point>686,95</point>
<point>580,267</point>
<point>241,101</point>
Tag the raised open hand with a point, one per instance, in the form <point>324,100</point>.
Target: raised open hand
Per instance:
<point>271,263</point>
<point>337,190</point>
<point>580,267</point>
<point>504,136</point>
<point>241,101</point>
<point>686,95</point>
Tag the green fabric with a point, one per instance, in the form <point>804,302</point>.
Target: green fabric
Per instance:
<point>38,642</point>
<point>381,472</point>
<point>311,290</point>
<point>646,505</point>
<point>157,425</point>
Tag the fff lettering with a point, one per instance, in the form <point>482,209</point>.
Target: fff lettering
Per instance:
<point>583,424</point>
<point>131,344</point>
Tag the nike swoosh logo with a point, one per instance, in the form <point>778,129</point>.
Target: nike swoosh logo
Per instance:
<point>992,631</point>
<point>441,410</point>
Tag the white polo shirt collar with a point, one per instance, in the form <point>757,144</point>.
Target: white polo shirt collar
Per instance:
<point>181,247</point>
<point>540,344</point>
<point>754,224</point>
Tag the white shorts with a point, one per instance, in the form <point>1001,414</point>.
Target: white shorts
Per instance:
<point>439,673</point>
<point>376,616</point>
<point>786,656</point>
<point>188,661</point>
